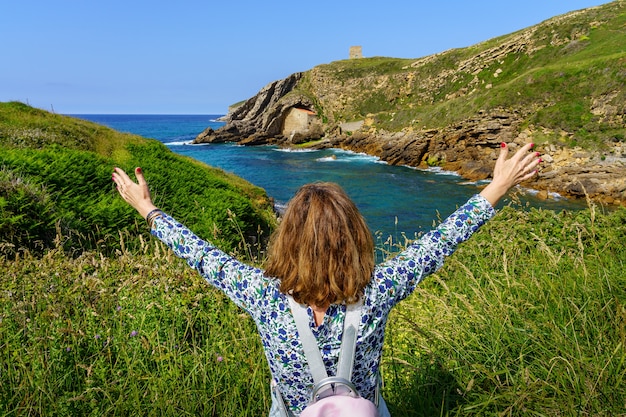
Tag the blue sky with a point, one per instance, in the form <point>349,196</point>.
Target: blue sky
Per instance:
<point>198,57</point>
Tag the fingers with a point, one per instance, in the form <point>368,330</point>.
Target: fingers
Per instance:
<point>523,152</point>
<point>140,178</point>
<point>504,152</point>
<point>531,160</point>
<point>528,176</point>
<point>520,167</point>
<point>509,172</point>
<point>120,177</point>
<point>526,163</point>
<point>125,185</point>
<point>137,194</point>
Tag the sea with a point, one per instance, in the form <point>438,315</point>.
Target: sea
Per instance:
<point>396,201</point>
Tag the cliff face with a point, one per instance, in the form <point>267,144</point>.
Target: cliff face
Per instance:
<point>560,84</point>
<point>472,147</point>
<point>260,119</point>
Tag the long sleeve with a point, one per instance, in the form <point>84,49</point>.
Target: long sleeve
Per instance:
<point>397,278</point>
<point>243,284</point>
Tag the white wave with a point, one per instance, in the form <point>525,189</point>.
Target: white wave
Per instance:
<point>327,159</point>
<point>551,194</point>
<point>441,171</point>
<point>280,208</point>
<point>228,144</point>
<point>294,150</point>
<point>179,143</point>
<point>435,170</point>
<point>351,156</point>
<point>478,182</point>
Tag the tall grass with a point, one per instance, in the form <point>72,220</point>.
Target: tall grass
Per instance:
<point>135,334</point>
<point>527,318</point>
<point>95,317</point>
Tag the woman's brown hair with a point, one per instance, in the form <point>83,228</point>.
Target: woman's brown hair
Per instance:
<point>322,251</point>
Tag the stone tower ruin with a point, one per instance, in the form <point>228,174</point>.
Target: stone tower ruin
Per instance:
<point>356,52</point>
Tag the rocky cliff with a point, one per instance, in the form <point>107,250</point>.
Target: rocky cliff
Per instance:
<point>560,84</point>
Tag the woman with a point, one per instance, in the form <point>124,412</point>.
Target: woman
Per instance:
<point>322,254</point>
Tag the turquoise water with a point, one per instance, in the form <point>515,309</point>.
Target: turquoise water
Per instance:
<point>393,199</point>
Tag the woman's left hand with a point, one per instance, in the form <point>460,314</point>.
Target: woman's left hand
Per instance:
<point>509,172</point>
<point>137,194</point>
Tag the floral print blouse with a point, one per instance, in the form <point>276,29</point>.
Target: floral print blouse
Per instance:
<point>392,281</point>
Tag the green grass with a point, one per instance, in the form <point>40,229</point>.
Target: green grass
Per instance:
<point>368,67</point>
<point>95,317</point>
<point>527,318</point>
<point>133,334</point>
<point>55,180</point>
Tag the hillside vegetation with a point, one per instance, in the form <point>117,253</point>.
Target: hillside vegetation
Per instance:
<point>55,183</point>
<point>566,75</point>
<point>528,318</point>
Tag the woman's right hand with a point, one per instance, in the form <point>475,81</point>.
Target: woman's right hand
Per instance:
<point>137,194</point>
<point>510,172</point>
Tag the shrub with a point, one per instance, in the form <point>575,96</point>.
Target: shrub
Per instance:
<point>27,214</point>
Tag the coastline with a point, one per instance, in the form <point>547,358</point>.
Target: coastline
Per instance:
<point>574,174</point>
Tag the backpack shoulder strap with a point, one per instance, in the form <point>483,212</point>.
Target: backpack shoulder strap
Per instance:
<point>309,343</point>
<point>348,340</point>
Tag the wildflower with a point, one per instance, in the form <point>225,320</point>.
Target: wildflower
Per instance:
<point>68,349</point>
<point>119,308</point>
<point>219,358</point>
<point>97,336</point>
<point>133,333</point>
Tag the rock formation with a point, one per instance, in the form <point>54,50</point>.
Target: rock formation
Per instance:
<point>469,144</point>
<point>260,119</point>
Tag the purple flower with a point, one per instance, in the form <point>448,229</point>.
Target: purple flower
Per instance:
<point>133,333</point>
<point>68,349</point>
<point>219,358</point>
<point>97,336</point>
<point>119,308</point>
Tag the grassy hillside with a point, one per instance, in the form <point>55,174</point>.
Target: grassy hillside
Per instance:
<point>528,318</point>
<point>55,183</point>
<point>563,75</point>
